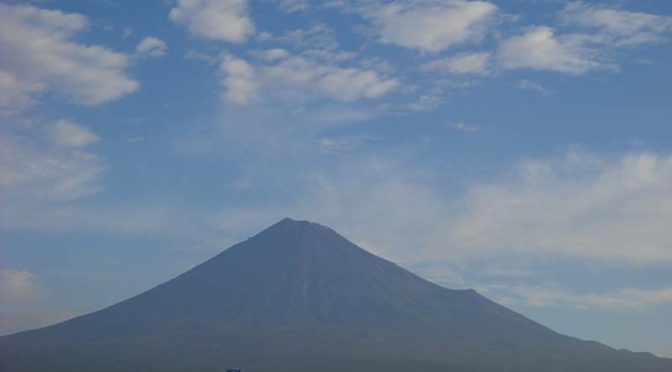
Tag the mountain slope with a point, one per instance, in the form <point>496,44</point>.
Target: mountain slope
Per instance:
<point>299,297</point>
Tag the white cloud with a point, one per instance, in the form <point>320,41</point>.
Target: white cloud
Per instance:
<point>577,207</point>
<point>273,54</point>
<point>375,203</point>
<point>541,49</point>
<point>318,36</point>
<point>34,171</point>
<point>331,145</point>
<point>196,55</point>
<point>464,127</point>
<point>239,80</point>
<point>466,63</point>
<point>39,56</point>
<point>17,286</point>
<point>293,5</point>
<point>224,20</point>
<point>532,85</point>
<point>298,79</point>
<point>600,32</point>
<point>625,298</point>
<point>16,94</point>
<point>150,47</point>
<point>614,210</point>
<point>431,25</point>
<point>70,134</point>
<point>620,27</point>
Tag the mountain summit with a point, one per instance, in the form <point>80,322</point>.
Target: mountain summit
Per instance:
<point>300,297</point>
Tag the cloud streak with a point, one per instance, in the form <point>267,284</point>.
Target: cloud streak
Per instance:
<point>625,298</point>
<point>297,78</point>
<point>17,286</point>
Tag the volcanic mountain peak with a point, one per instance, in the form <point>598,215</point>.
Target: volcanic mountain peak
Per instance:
<point>299,297</point>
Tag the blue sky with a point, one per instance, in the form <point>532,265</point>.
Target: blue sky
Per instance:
<point>520,147</point>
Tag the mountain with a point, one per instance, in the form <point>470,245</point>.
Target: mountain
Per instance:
<point>300,297</point>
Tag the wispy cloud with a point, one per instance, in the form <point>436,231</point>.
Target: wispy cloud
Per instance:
<point>537,296</point>
<point>70,134</point>
<point>597,33</point>
<point>331,145</point>
<point>616,26</point>
<point>532,86</point>
<point>464,127</point>
<point>298,78</point>
<point>55,168</point>
<point>466,63</point>
<point>17,286</point>
<point>577,206</point>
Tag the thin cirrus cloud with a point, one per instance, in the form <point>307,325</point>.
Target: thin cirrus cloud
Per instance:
<point>55,168</point>
<point>540,296</point>
<point>530,85</point>
<point>40,56</point>
<point>578,206</point>
<point>17,286</point>
<point>461,64</point>
<point>221,20</point>
<point>70,134</point>
<point>464,127</point>
<point>615,210</point>
<point>293,5</point>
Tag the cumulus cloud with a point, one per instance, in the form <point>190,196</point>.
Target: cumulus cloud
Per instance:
<point>150,47</point>
<point>70,134</point>
<point>17,286</point>
<point>223,20</point>
<point>431,26</point>
<point>599,32</point>
<point>239,80</point>
<point>300,78</point>
<point>466,63</point>
<point>40,56</point>
<point>540,48</point>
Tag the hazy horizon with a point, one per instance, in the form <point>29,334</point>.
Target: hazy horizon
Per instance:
<point>520,148</point>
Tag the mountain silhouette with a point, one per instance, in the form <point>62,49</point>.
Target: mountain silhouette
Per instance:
<point>300,297</point>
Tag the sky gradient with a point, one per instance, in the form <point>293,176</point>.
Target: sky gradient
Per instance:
<point>519,147</point>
